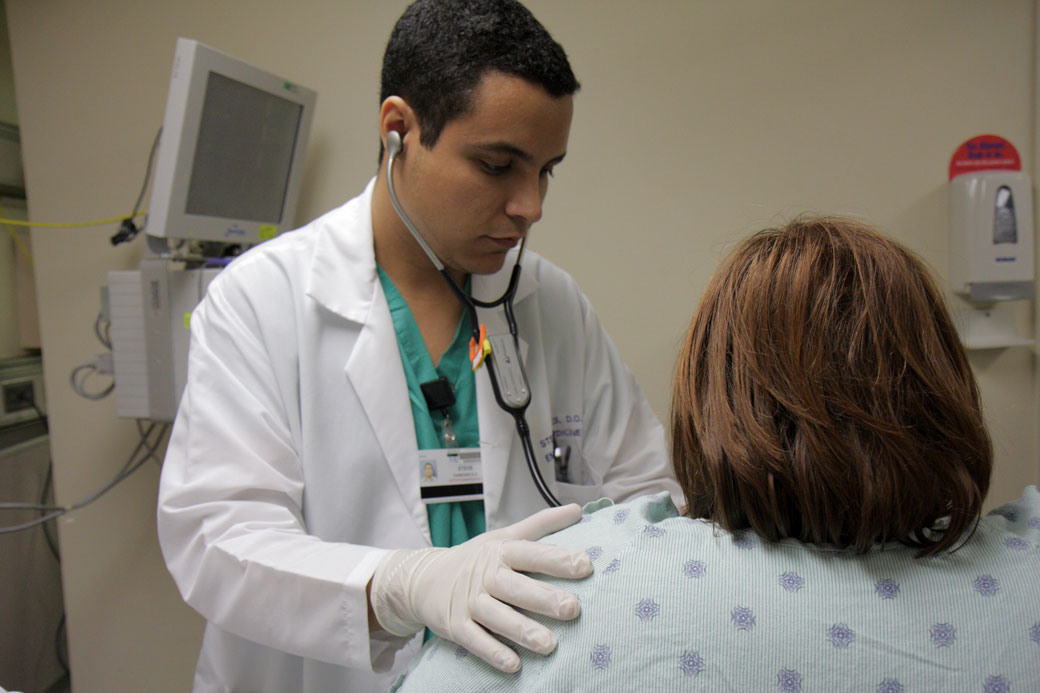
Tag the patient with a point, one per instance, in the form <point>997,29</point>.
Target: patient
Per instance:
<point>828,437</point>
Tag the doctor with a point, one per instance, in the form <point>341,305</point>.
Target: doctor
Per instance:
<point>292,509</point>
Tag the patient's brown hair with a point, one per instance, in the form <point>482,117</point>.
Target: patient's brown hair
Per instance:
<point>822,394</point>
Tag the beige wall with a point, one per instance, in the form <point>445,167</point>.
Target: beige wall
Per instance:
<point>698,122</point>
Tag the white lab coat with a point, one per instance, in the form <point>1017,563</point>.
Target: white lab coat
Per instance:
<point>292,466</point>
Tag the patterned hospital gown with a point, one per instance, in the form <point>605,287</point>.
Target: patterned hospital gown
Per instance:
<point>677,605</point>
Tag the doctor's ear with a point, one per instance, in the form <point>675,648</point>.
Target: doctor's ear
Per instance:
<point>396,118</point>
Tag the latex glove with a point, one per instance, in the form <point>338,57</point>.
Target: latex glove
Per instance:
<point>456,591</point>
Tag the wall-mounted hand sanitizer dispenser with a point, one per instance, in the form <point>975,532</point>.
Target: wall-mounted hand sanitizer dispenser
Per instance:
<point>991,236</point>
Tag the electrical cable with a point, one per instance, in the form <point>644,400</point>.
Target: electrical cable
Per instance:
<point>128,230</point>
<point>101,330</point>
<point>129,468</point>
<point>52,542</point>
<point>48,481</point>
<point>126,219</point>
<point>102,365</point>
<point>132,465</point>
<point>147,171</point>
<point>42,506</point>
<point>61,653</point>
<point>75,225</point>
<point>78,385</point>
<point>52,545</point>
<point>11,529</point>
<point>141,433</point>
<point>29,506</point>
<point>17,240</point>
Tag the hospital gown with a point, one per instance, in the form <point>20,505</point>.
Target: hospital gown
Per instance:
<point>675,604</point>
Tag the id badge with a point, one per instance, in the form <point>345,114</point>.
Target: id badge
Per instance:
<point>450,474</point>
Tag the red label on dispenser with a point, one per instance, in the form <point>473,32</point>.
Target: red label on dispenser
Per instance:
<point>985,153</point>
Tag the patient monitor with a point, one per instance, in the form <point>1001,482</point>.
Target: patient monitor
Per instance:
<point>231,154</point>
<point>227,177</point>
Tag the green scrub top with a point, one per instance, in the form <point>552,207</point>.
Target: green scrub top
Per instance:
<point>450,523</point>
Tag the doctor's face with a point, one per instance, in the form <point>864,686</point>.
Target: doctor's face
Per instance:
<point>479,189</point>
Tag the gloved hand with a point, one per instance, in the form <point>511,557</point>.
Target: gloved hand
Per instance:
<point>456,591</point>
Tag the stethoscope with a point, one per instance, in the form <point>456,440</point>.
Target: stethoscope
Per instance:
<point>499,352</point>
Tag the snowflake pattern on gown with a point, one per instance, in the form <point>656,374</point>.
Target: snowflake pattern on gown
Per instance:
<point>890,686</point>
<point>653,531</point>
<point>694,569</point>
<point>886,588</point>
<point>1034,633</point>
<point>600,657</point>
<point>791,581</point>
<point>691,663</point>
<point>840,635</point>
<point>647,610</point>
<point>1016,543</point>
<point>742,618</point>
<point>594,552</point>
<point>789,681</point>
<point>942,634</point>
<point>986,585</point>
<point>612,567</point>
<point>1034,522</point>
<point>620,515</point>
<point>997,684</point>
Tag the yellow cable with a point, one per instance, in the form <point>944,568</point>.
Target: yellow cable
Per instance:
<point>18,241</point>
<point>21,246</point>
<point>99,222</point>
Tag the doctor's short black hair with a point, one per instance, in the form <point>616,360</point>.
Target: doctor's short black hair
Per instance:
<point>440,49</point>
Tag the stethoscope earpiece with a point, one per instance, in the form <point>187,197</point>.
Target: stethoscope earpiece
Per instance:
<point>393,142</point>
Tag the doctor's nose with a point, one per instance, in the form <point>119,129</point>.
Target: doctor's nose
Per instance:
<point>525,201</point>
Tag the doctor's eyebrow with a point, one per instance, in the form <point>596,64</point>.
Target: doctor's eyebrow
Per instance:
<point>513,150</point>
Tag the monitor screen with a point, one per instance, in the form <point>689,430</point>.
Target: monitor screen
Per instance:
<point>244,152</point>
<point>231,152</point>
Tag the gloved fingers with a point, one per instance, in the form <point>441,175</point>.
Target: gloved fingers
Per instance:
<point>543,522</point>
<point>478,641</point>
<point>500,618</point>
<point>534,557</point>
<point>524,592</point>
